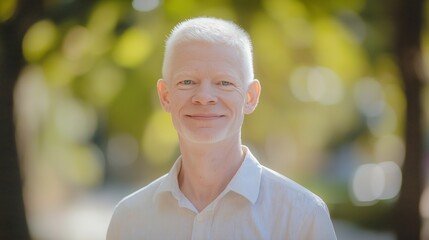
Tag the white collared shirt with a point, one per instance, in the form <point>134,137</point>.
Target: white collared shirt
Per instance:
<point>258,203</point>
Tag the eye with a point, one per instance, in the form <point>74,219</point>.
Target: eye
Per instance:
<point>187,82</point>
<point>225,83</point>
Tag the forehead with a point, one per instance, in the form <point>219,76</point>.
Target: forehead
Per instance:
<point>196,56</point>
<point>197,50</point>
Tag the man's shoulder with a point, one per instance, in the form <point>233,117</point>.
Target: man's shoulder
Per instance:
<point>141,196</point>
<point>293,205</point>
<point>287,189</point>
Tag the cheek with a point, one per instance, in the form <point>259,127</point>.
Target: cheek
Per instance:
<point>237,103</point>
<point>178,103</point>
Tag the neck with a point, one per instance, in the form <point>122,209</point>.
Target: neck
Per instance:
<point>207,169</point>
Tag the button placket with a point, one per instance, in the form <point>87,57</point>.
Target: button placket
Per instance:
<point>202,225</point>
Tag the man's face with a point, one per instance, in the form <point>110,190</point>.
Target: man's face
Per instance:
<point>206,93</point>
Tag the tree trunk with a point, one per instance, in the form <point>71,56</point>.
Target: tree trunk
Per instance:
<point>13,224</point>
<point>408,19</point>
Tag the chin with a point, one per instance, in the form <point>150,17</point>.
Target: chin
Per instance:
<point>208,137</point>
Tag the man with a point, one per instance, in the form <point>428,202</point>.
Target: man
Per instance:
<point>216,189</point>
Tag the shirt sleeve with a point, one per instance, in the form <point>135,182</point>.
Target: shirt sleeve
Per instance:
<point>318,224</point>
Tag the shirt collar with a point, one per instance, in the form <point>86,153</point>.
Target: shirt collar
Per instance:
<point>245,182</point>
<point>170,182</point>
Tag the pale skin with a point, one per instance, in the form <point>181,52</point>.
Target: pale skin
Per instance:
<point>206,93</point>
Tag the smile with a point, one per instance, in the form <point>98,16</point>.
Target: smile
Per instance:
<point>204,116</point>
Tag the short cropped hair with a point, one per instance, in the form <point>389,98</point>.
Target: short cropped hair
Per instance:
<point>212,30</point>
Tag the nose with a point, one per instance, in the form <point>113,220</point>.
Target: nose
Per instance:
<point>204,95</point>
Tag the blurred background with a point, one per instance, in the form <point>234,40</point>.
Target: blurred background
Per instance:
<point>344,109</point>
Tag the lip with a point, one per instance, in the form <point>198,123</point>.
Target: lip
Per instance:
<point>204,116</point>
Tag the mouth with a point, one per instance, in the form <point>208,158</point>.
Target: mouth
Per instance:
<point>199,116</point>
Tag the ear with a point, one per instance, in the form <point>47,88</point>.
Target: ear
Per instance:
<point>163,94</point>
<point>253,92</point>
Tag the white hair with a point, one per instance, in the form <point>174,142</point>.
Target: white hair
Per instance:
<point>211,30</point>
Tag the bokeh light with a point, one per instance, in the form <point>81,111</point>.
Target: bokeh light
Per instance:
<point>316,84</point>
<point>132,48</point>
<point>369,97</point>
<point>159,139</point>
<point>145,5</point>
<point>372,182</point>
<point>7,8</point>
<point>39,39</point>
<point>424,204</point>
